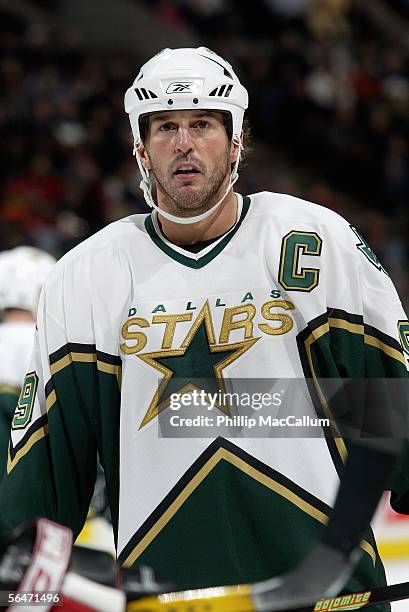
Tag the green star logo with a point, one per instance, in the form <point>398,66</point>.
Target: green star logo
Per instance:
<point>199,361</point>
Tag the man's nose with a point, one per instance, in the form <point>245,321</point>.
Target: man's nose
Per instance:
<point>184,141</point>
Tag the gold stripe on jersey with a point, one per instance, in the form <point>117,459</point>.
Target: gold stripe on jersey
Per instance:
<point>75,357</point>
<point>388,350</point>
<point>369,339</point>
<point>313,337</point>
<point>71,358</point>
<point>37,435</point>
<point>50,400</point>
<point>109,368</point>
<point>355,328</point>
<point>249,470</point>
<point>11,389</point>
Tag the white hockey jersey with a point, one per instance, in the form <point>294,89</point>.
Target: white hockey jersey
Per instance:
<point>290,292</point>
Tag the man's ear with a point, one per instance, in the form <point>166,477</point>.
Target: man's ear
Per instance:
<point>146,162</point>
<point>235,149</point>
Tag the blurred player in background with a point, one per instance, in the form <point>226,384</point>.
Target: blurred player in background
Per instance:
<point>23,271</point>
<point>210,285</point>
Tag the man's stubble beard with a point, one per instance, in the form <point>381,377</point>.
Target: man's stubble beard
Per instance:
<point>184,203</point>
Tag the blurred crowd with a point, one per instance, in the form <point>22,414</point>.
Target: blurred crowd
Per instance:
<point>329,107</point>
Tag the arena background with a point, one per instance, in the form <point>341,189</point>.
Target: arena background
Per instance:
<point>329,107</point>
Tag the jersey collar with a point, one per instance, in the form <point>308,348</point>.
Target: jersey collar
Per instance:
<point>206,255</point>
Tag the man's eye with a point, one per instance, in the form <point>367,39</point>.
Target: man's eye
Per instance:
<point>166,127</point>
<point>202,125</point>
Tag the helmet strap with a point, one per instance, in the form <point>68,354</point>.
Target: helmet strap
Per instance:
<point>146,186</point>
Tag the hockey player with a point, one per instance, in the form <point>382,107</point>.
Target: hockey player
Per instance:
<point>22,274</point>
<point>211,286</point>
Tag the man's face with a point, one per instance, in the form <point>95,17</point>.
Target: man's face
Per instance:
<point>190,156</point>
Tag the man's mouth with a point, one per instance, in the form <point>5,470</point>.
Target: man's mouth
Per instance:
<point>187,171</point>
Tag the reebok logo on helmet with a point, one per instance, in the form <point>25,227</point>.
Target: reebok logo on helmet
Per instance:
<point>181,87</point>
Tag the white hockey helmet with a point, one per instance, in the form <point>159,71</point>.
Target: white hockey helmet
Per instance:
<point>23,271</point>
<point>185,79</point>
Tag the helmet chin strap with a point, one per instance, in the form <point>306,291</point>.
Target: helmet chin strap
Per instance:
<point>146,186</point>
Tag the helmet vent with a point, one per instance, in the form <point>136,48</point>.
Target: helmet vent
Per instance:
<point>144,94</point>
<point>222,91</point>
<point>225,71</point>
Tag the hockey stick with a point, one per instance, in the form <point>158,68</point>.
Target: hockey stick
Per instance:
<point>238,599</point>
<point>360,600</point>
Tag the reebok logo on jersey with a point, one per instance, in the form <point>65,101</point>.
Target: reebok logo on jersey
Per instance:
<point>343,602</point>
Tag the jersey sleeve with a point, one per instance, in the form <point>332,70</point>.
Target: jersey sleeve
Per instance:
<point>385,332</point>
<point>51,463</point>
<point>386,364</point>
